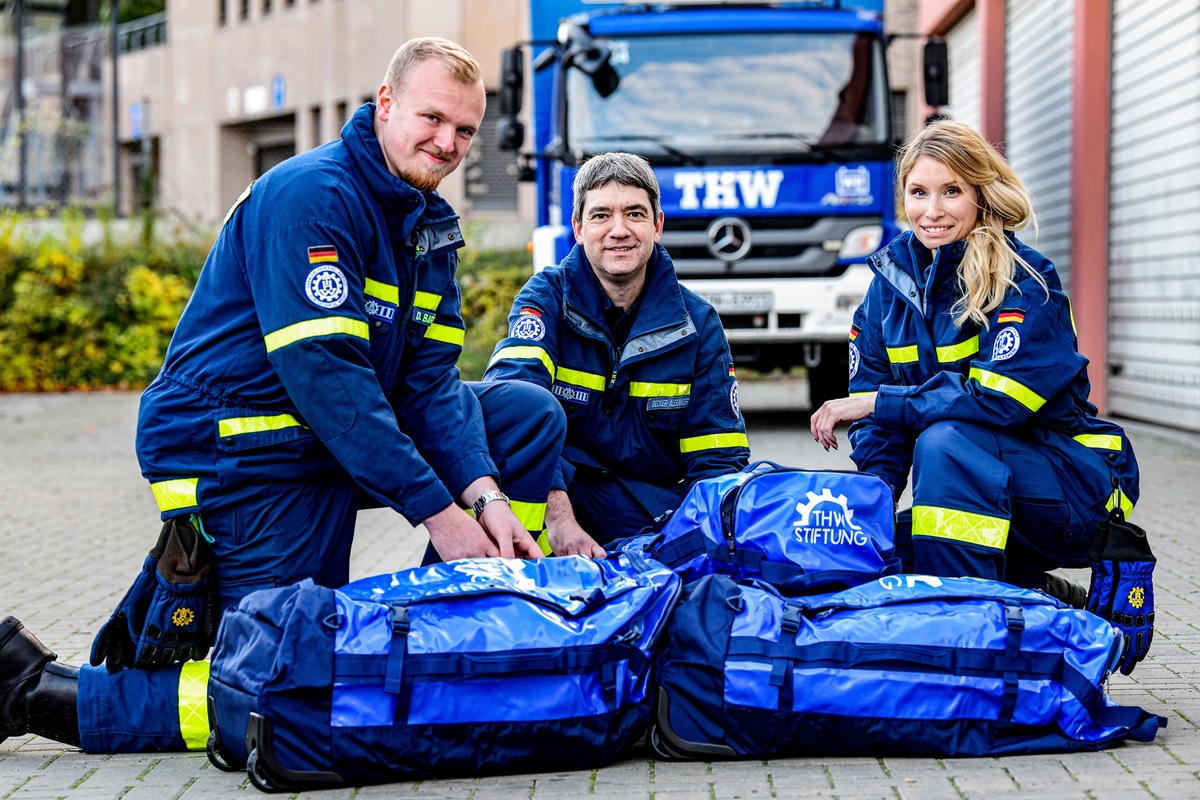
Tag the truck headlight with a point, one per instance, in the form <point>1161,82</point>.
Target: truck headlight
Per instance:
<point>861,242</point>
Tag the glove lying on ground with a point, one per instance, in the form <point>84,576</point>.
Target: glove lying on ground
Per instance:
<point>169,612</point>
<point>1122,589</point>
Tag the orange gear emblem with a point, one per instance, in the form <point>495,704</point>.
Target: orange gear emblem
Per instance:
<point>183,617</point>
<point>1137,597</point>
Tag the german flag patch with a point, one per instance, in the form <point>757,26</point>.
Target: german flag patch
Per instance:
<point>1010,315</point>
<point>854,332</point>
<point>322,254</point>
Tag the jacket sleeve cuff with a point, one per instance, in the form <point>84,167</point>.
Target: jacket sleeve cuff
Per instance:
<point>467,470</point>
<point>889,406</point>
<point>425,503</point>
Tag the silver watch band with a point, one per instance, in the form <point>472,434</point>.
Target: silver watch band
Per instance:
<point>485,498</point>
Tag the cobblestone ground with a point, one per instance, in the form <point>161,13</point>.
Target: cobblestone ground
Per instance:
<point>76,520</point>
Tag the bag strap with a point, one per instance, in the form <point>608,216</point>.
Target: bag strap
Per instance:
<point>1012,664</point>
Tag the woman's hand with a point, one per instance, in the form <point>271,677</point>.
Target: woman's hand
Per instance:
<point>836,412</point>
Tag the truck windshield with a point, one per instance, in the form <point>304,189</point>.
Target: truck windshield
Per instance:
<point>687,98</point>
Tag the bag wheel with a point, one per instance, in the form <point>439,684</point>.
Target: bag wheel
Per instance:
<point>256,776</point>
<point>215,756</point>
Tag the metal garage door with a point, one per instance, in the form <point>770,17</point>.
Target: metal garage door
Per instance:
<point>1038,47</point>
<point>962,49</point>
<point>1154,212</point>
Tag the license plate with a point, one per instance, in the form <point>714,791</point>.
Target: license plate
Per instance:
<point>741,302</point>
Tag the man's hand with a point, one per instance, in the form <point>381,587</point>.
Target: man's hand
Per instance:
<point>510,536</point>
<point>454,534</point>
<point>566,536</point>
<point>836,412</point>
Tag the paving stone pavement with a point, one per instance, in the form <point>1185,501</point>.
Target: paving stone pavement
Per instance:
<point>76,519</point>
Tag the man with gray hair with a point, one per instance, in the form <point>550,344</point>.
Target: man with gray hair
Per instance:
<point>639,363</point>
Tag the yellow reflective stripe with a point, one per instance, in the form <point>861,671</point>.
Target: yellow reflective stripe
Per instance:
<point>312,328</point>
<point>193,704</point>
<point>1100,441</point>
<point>960,526</point>
<point>860,394</point>
<point>711,441</point>
<point>383,291</point>
<point>234,426</point>
<point>536,353</point>
<point>543,541</point>
<point>531,515</point>
<point>445,333</point>
<point>577,377</point>
<point>641,389</point>
<point>902,355</point>
<point>426,300</point>
<point>173,494</point>
<point>957,352</point>
<point>1119,496</point>
<point>241,199</point>
<point>1007,386</point>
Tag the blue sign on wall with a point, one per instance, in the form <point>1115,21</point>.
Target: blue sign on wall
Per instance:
<point>277,92</point>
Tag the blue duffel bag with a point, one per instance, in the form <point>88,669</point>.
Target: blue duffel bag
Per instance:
<point>798,530</point>
<point>904,665</point>
<point>464,668</point>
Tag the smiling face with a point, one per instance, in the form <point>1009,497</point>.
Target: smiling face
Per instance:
<point>617,228</point>
<point>941,206</point>
<point>426,127</point>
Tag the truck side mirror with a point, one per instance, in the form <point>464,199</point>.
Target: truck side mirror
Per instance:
<point>510,132</point>
<point>512,81</point>
<point>937,73</point>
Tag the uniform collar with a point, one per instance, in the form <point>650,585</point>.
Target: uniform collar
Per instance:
<point>659,305</point>
<point>393,194</point>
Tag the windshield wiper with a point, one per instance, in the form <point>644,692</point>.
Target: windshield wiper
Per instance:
<point>687,159</point>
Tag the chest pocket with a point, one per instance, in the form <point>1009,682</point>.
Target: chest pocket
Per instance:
<point>382,303</point>
<point>663,404</point>
<point>436,245</point>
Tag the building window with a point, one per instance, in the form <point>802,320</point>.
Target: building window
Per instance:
<point>315,116</point>
<point>222,12</point>
<point>343,114</point>
<point>266,8</point>
<point>245,10</point>
<point>899,114</point>
<point>491,173</point>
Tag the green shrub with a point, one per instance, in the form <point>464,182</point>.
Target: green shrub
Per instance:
<point>95,314</point>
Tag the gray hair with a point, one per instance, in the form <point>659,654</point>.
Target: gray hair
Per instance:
<point>461,65</point>
<point>623,168</point>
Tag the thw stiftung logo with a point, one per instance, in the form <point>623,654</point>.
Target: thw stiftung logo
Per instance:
<point>827,519</point>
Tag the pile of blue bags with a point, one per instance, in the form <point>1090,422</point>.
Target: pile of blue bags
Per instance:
<point>766,618</point>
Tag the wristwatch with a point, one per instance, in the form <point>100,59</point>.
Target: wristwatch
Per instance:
<point>486,498</point>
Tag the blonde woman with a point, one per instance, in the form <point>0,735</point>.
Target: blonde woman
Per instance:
<point>964,368</point>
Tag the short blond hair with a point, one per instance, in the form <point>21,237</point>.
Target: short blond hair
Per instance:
<point>460,64</point>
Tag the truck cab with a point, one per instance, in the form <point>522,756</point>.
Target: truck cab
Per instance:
<point>769,128</point>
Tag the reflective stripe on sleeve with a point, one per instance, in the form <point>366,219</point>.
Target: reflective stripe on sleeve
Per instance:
<point>960,526</point>
<point>234,426</point>
<point>711,441</point>
<point>1007,386</point>
<point>176,493</point>
<point>536,353</point>
<point>903,355</point>
<point>447,334</point>
<point>642,389</point>
<point>382,291</point>
<point>426,300</point>
<point>950,353</point>
<point>312,328</point>
<point>193,704</point>
<point>577,377</point>
<point>1100,441</point>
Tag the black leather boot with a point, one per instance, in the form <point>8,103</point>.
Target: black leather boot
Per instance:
<point>37,694</point>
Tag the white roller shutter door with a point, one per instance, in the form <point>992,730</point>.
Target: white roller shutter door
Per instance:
<point>1038,48</point>
<point>962,50</point>
<point>1154,212</point>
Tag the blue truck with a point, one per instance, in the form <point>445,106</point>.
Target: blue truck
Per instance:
<point>769,126</point>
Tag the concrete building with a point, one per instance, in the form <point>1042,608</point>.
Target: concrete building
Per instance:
<point>1097,106</point>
